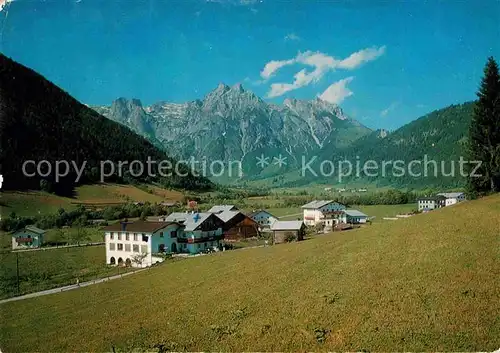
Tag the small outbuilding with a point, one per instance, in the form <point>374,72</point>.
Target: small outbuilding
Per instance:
<point>355,216</point>
<point>28,237</point>
<point>286,231</point>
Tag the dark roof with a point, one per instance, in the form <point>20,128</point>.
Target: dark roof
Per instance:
<point>138,226</point>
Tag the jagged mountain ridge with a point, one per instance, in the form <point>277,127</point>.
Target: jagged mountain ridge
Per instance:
<point>233,124</point>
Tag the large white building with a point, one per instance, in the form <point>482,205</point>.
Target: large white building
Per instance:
<point>192,233</point>
<point>431,203</point>
<point>453,197</point>
<point>126,240</point>
<point>322,211</point>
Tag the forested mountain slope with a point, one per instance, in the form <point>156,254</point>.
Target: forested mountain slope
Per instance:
<point>39,121</point>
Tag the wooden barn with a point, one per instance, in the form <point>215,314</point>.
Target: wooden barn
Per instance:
<point>238,226</point>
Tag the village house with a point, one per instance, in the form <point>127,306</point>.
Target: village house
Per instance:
<point>285,231</point>
<point>322,211</point>
<point>28,237</point>
<point>431,203</point>
<point>453,197</point>
<point>263,218</point>
<point>238,225</point>
<point>201,231</point>
<point>354,217</point>
<point>126,242</point>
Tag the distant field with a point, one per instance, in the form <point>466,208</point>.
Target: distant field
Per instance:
<point>426,283</point>
<point>36,202</point>
<point>381,211</point>
<point>45,269</point>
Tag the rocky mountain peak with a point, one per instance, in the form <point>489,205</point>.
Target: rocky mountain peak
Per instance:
<point>238,88</point>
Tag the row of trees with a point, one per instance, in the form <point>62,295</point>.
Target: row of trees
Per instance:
<point>82,217</point>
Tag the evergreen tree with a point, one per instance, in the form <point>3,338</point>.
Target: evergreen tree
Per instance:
<point>484,132</point>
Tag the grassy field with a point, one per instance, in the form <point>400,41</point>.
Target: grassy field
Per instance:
<point>36,202</point>
<point>381,211</point>
<point>427,283</point>
<point>94,235</point>
<point>45,269</point>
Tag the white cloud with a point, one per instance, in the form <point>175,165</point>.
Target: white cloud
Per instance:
<point>338,91</point>
<point>4,3</point>
<point>389,109</point>
<point>356,59</point>
<point>321,64</point>
<point>273,66</point>
<point>292,37</point>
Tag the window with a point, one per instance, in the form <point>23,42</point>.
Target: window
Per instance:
<point>135,248</point>
<point>161,234</point>
<point>111,236</point>
<point>119,236</point>
<point>127,247</point>
<point>144,237</point>
<point>111,246</point>
<point>144,249</point>
<point>136,237</point>
<point>119,247</point>
<point>173,234</point>
<point>127,237</point>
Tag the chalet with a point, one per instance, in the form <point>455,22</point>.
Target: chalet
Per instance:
<point>431,203</point>
<point>263,218</point>
<point>284,231</point>
<point>127,241</point>
<point>238,225</point>
<point>355,217</point>
<point>202,231</point>
<point>316,212</point>
<point>221,208</point>
<point>453,197</point>
<point>28,237</point>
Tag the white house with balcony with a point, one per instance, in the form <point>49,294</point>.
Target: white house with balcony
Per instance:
<point>323,211</point>
<point>200,232</point>
<point>135,243</point>
<point>453,197</point>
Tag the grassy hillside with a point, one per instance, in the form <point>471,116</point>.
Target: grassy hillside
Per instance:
<point>427,283</point>
<point>32,203</point>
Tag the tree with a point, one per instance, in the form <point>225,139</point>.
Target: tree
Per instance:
<point>138,259</point>
<point>484,132</point>
<point>80,235</point>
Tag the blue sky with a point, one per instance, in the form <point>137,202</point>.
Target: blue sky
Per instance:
<point>385,62</point>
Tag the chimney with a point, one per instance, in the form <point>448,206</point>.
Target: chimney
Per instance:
<point>124,226</point>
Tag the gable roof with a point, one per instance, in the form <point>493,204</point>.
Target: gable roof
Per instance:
<point>432,198</point>
<point>32,229</point>
<point>138,226</point>
<point>221,208</point>
<point>287,225</point>
<point>226,216</point>
<point>254,213</point>
<point>191,221</point>
<point>451,195</point>
<point>355,213</point>
<point>318,204</point>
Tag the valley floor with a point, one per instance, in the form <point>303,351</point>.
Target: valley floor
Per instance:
<point>426,283</point>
